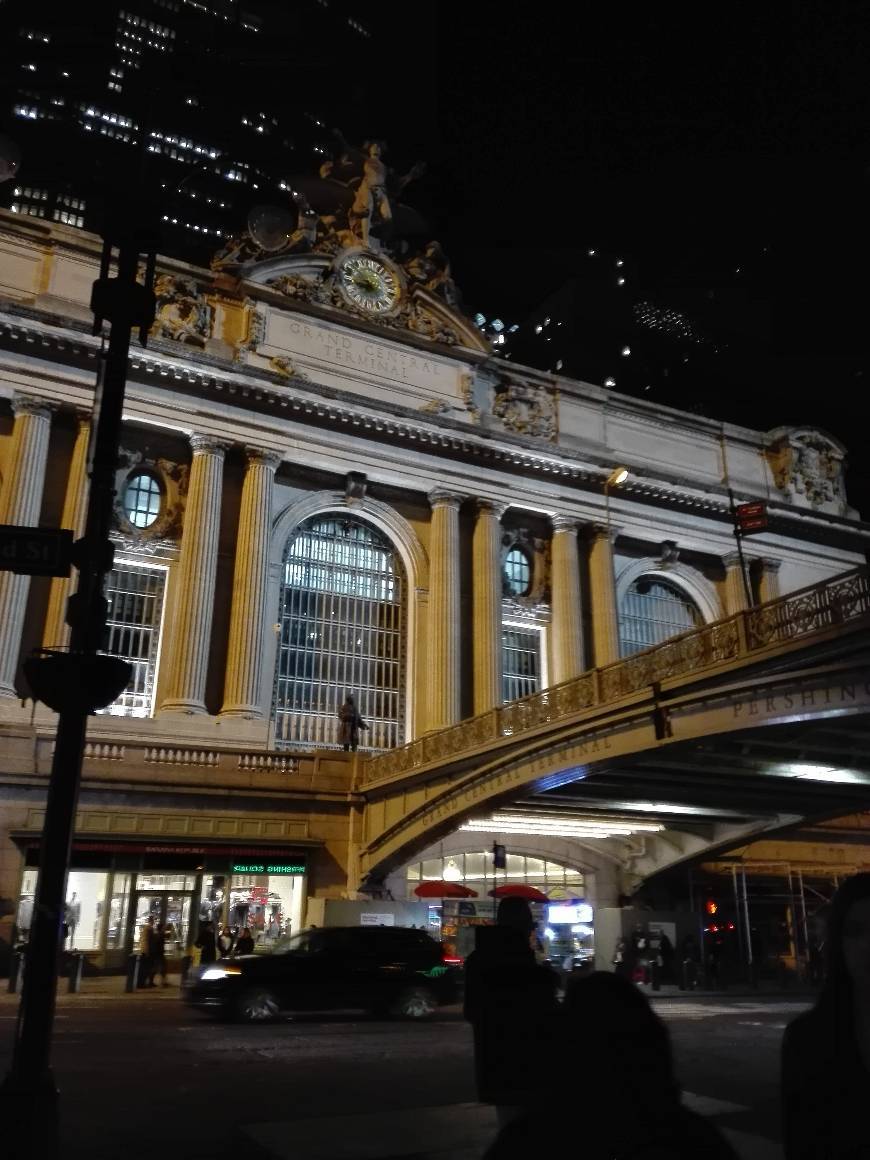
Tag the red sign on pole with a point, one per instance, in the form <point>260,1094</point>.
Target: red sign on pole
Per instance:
<point>751,517</point>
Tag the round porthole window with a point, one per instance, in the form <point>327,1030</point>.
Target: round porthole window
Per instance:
<point>142,500</point>
<point>517,573</point>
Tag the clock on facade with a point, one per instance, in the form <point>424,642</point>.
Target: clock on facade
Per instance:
<point>368,284</point>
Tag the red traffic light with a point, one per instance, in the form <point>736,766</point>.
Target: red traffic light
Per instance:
<point>711,907</point>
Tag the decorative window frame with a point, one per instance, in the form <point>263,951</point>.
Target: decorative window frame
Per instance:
<point>414,560</point>
<point>171,478</point>
<point>693,583</point>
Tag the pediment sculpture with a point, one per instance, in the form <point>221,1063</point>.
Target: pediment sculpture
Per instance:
<point>808,468</point>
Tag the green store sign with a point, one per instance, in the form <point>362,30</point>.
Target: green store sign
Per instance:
<point>268,868</point>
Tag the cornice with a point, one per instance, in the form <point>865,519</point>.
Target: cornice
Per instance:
<point>319,405</point>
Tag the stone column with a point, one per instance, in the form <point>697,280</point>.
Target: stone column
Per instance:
<point>75,504</point>
<point>248,617</point>
<point>566,629</point>
<point>734,590</point>
<point>602,586</point>
<point>486,556</point>
<point>187,647</point>
<point>20,503</point>
<point>768,580</point>
<point>443,659</point>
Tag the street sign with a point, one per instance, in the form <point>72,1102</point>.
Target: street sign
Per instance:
<point>35,551</point>
<point>751,517</point>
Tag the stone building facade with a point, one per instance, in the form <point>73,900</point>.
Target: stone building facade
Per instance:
<point>328,484</point>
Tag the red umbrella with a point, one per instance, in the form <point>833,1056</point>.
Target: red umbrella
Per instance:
<point>519,890</point>
<point>441,889</point>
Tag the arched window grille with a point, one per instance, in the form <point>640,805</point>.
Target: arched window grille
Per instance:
<point>342,630</point>
<point>653,611</point>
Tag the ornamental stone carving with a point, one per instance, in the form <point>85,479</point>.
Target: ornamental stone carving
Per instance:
<point>525,408</point>
<point>808,467</point>
<point>183,313</point>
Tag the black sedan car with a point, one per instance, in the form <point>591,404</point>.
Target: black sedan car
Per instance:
<point>382,969</point>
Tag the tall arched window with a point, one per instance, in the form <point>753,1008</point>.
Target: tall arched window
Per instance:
<point>653,611</point>
<point>342,630</point>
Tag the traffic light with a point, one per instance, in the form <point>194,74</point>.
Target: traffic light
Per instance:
<point>711,906</point>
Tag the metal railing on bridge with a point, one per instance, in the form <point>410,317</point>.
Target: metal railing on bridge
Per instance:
<point>809,612</point>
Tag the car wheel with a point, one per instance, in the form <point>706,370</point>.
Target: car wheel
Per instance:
<point>415,1003</point>
<point>257,1006</point>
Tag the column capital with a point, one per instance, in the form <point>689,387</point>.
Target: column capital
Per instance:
<point>208,445</point>
<point>32,405</point>
<point>770,565</point>
<point>564,523</point>
<point>443,497</point>
<point>497,507</point>
<point>731,559</point>
<point>259,455</point>
<point>597,530</point>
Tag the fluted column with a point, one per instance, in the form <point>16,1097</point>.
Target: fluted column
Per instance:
<point>768,580</point>
<point>188,646</point>
<point>20,502</point>
<point>75,504</point>
<point>486,563</point>
<point>248,617</point>
<point>566,632</point>
<point>443,659</point>
<point>734,589</point>
<point>602,591</point>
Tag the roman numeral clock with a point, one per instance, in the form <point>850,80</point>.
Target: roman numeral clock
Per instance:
<point>372,285</point>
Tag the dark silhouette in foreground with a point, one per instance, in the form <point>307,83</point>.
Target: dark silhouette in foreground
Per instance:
<point>510,1001</point>
<point>614,1049</point>
<point>826,1051</point>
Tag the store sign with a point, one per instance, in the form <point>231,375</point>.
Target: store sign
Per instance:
<point>581,912</point>
<point>267,868</point>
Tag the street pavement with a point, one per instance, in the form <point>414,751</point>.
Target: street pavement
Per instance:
<point>140,1074</point>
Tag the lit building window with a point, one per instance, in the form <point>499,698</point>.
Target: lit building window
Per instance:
<point>135,593</point>
<point>342,630</point>
<point>142,500</point>
<point>517,573</point>
<point>653,611</point>
<point>521,661</point>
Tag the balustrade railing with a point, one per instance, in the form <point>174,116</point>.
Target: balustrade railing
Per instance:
<point>840,600</point>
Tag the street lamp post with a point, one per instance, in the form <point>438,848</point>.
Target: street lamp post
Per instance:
<point>75,683</point>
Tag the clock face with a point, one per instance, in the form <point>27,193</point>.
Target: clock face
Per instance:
<point>368,284</point>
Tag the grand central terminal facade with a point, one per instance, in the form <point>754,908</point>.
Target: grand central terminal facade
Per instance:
<point>328,484</point>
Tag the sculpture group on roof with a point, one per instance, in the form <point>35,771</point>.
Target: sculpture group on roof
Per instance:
<point>354,201</point>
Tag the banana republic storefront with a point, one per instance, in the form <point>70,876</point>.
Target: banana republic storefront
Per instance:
<point>114,887</point>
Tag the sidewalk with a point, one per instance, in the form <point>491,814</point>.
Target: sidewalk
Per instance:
<point>446,1132</point>
<point>101,987</point>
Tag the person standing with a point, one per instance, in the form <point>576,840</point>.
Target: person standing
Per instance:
<point>157,963</point>
<point>350,723</point>
<point>146,951</point>
<point>206,942</point>
<point>826,1051</point>
<point>510,1001</point>
<point>244,944</point>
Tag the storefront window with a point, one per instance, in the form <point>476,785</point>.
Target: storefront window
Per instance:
<point>83,913</point>
<point>118,904</point>
<point>25,906</point>
<point>266,904</point>
<point>165,881</point>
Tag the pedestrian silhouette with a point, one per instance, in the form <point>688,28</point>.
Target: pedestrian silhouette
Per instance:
<point>510,1001</point>
<point>627,1077</point>
<point>826,1051</point>
<point>350,723</point>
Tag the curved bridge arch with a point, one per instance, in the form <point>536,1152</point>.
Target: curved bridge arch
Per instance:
<point>767,666</point>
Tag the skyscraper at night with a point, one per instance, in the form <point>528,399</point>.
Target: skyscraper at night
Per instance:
<point>211,106</point>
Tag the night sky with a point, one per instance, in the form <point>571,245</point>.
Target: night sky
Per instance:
<point>716,149</point>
